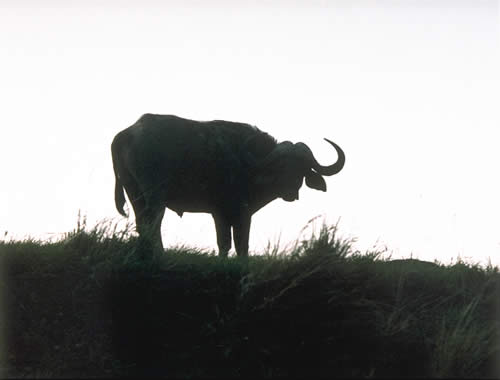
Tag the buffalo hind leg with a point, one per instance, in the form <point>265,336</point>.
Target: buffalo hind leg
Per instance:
<point>138,202</point>
<point>223,230</point>
<point>149,213</point>
<point>149,228</point>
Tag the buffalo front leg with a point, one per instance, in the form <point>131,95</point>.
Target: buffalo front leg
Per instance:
<point>223,230</point>
<point>241,234</point>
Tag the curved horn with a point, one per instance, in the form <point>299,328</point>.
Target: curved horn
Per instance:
<point>334,168</point>
<point>325,170</point>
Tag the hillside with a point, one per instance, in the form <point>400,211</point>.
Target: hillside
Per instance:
<point>94,304</point>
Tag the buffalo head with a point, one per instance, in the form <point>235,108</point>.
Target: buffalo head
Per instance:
<point>283,170</point>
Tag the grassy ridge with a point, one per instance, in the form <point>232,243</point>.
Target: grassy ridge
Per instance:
<point>92,305</point>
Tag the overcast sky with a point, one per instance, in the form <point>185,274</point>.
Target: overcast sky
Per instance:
<point>409,90</point>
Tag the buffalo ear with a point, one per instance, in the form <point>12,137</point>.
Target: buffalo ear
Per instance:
<point>315,181</point>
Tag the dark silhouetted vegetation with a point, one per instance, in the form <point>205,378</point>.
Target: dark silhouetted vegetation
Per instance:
<point>93,305</point>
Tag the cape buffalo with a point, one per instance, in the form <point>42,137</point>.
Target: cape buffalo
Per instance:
<point>227,169</point>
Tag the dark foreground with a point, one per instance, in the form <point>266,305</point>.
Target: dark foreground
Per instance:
<point>94,306</point>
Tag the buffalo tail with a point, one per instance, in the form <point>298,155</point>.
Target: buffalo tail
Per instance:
<point>119,193</point>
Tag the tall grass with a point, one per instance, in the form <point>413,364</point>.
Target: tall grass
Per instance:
<point>94,304</point>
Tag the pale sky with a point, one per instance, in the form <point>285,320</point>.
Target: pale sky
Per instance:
<point>409,90</point>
